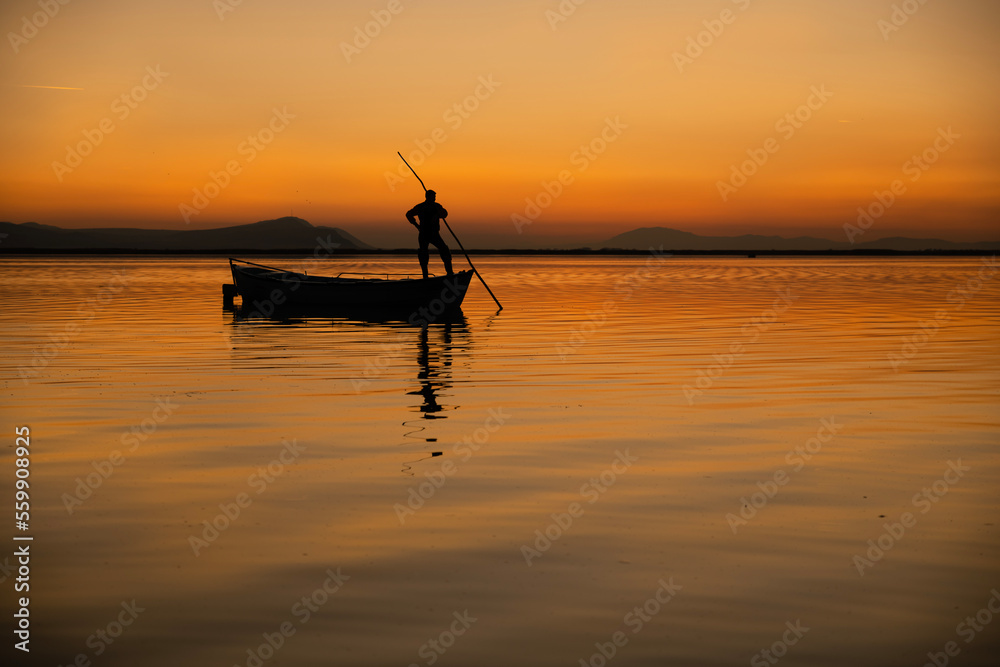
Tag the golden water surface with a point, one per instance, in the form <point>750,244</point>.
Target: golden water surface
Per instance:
<point>639,461</point>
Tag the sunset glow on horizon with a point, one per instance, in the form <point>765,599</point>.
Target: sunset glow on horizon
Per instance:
<point>581,120</point>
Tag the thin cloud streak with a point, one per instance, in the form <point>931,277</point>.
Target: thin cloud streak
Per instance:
<point>47,87</point>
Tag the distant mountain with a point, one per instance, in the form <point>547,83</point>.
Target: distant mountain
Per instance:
<point>287,233</point>
<point>673,239</point>
<point>296,234</point>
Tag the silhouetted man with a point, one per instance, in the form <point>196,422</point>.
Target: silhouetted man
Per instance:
<point>430,213</point>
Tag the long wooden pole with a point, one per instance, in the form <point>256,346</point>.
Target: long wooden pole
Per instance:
<point>468,259</point>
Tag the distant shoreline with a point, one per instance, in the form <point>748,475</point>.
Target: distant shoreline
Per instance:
<point>583,252</point>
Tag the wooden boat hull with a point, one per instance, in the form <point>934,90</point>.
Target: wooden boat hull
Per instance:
<point>268,290</point>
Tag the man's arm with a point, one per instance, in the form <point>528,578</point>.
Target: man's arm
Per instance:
<point>410,216</point>
<point>444,213</point>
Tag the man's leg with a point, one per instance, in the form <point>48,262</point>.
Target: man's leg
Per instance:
<point>445,253</point>
<point>423,254</point>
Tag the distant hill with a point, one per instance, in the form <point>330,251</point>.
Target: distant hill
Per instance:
<point>673,239</point>
<point>296,234</point>
<point>287,233</point>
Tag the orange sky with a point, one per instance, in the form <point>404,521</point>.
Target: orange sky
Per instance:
<point>224,76</point>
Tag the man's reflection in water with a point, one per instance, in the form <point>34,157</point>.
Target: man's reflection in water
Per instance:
<point>435,369</point>
<point>434,376</point>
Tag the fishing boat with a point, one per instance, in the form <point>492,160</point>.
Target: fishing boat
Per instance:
<point>268,289</point>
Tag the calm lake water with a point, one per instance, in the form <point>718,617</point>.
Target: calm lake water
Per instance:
<point>668,460</point>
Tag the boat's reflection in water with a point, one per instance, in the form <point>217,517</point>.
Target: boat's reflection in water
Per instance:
<point>376,345</point>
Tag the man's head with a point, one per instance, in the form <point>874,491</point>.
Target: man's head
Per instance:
<point>431,195</point>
